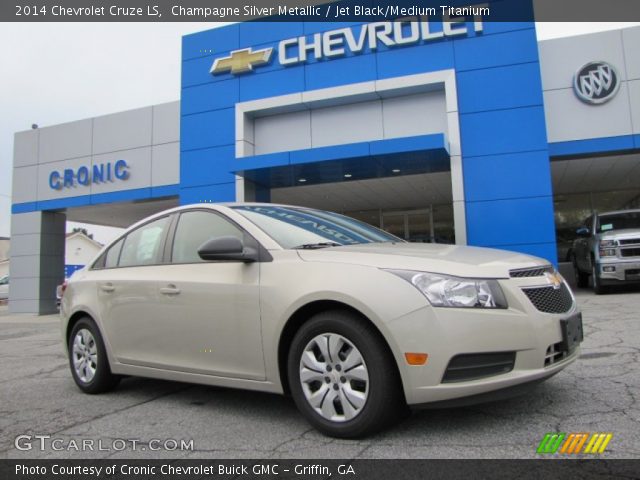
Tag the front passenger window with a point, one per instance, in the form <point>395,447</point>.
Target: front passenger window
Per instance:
<point>195,228</point>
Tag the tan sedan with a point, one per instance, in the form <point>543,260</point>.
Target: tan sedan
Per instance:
<point>352,322</point>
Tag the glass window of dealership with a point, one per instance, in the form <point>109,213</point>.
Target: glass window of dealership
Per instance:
<point>471,133</point>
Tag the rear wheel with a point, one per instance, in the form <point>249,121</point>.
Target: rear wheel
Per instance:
<point>342,376</point>
<point>582,279</point>
<point>88,358</point>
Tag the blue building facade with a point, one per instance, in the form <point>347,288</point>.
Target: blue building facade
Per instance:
<point>507,196</point>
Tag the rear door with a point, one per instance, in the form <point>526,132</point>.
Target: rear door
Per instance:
<point>127,289</point>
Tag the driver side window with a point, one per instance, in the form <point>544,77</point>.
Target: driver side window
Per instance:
<point>196,227</point>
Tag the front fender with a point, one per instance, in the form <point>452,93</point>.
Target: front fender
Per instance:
<point>382,297</point>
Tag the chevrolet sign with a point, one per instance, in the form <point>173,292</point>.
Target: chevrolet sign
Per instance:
<point>241,61</point>
<point>337,43</point>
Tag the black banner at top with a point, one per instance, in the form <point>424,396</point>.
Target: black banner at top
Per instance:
<point>317,11</point>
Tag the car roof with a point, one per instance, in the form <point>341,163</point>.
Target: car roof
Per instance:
<point>616,212</point>
<point>208,205</point>
<point>214,205</point>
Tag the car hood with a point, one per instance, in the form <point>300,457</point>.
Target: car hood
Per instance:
<point>447,259</point>
<point>625,234</point>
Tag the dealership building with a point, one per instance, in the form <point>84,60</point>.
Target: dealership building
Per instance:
<point>456,132</point>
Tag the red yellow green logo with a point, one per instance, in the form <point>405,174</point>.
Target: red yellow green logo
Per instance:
<point>574,443</point>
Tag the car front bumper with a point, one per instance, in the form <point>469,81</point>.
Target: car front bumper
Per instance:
<point>529,336</point>
<point>627,271</point>
<point>497,387</point>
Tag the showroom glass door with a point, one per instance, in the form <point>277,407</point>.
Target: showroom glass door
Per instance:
<point>412,225</point>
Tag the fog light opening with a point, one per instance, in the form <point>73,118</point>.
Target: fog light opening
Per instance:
<point>609,269</point>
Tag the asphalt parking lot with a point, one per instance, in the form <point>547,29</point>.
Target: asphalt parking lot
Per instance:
<point>598,393</point>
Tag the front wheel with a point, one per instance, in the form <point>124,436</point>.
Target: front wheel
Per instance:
<point>582,279</point>
<point>598,288</point>
<point>342,376</point>
<point>88,358</point>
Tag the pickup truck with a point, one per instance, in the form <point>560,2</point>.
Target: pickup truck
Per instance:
<point>608,250</point>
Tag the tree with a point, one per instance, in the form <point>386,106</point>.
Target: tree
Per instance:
<point>83,231</point>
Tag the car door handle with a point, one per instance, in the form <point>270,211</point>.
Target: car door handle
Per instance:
<point>170,290</point>
<point>107,287</point>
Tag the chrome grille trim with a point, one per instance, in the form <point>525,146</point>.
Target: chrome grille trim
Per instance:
<point>530,272</point>
<point>629,241</point>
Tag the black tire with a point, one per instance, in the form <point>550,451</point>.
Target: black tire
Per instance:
<point>582,279</point>
<point>385,402</point>
<point>103,380</point>
<point>598,288</point>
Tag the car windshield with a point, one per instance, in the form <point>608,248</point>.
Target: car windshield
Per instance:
<point>295,227</point>
<point>618,221</point>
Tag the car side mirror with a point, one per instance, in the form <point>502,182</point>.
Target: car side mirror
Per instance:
<point>583,232</point>
<point>227,248</point>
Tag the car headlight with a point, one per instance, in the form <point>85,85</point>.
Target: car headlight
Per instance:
<point>607,248</point>
<point>447,291</point>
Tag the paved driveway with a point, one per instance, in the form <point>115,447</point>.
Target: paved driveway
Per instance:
<point>598,393</point>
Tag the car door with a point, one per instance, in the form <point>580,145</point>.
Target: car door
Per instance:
<point>4,288</point>
<point>207,317</point>
<point>127,286</point>
<point>592,242</point>
<point>582,249</point>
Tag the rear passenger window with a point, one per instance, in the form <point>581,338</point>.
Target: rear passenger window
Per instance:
<point>111,259</point>
<point>195,228</point>
<point>142,246</point>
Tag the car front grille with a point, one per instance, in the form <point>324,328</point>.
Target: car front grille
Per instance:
<point>530,272</point>
<point>630,252</point>
<point>550,299</point>
<point>629,241</point>
<point>472,366</point>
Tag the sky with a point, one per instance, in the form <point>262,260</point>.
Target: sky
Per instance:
<point>60,72</point>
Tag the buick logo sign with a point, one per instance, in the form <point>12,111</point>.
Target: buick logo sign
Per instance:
<point>596,82</point>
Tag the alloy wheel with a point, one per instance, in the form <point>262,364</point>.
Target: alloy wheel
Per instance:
<point>85,355</point>
<point>334,377</point>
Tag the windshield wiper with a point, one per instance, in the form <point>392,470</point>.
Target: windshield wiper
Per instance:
<point>313,246</point>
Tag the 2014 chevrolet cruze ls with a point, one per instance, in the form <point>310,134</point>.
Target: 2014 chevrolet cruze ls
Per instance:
<point>353,322</point>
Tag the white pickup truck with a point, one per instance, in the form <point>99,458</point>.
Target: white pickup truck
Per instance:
<point>608,249</point>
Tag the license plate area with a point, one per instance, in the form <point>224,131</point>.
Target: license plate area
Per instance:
<point>572,334</point>
<point>632,274</point>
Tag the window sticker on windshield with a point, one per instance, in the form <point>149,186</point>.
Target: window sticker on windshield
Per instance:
<point>606,226</point>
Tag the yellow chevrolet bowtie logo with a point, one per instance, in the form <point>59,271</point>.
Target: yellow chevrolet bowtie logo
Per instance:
<point>241,61</point>
<point>554,279</point>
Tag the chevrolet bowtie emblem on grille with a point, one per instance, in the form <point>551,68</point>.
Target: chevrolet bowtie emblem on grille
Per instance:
<point>554,279</point>
<point>241,61</point>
